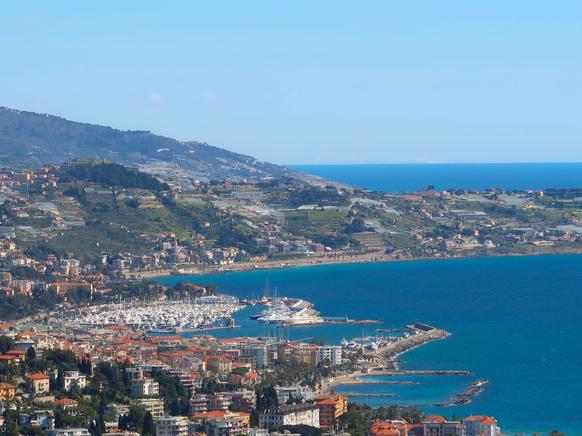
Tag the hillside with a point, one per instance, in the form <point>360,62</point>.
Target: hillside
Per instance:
<point>43,138</point>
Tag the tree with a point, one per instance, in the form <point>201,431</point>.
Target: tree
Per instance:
<point>6,344</point>
<point>30,354</point>
<point>267,399</point>
<point>148,424</point>
<point>357,419</point>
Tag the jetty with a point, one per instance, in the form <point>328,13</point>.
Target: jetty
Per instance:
<point>465,397</point>
<point>423,334</point>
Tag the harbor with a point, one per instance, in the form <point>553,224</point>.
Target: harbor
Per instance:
<point>293,312</point>
<point>181,316</point>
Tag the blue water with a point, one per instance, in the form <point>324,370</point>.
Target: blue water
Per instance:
<point>412,177</point>
<point>515,321</point>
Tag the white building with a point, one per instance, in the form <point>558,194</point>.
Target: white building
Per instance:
<point>297,392</point>
<point>144,387</point>
<point>333,353</point>
<point>172,426</point>
<point>259,354</point>
<point>69,432</point>
<point>296,414</point>
<point>153,405</point>
<point>71,378</point>
<point>481,426</point>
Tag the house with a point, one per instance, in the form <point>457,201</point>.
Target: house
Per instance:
<point>297,392</point>
<point>296,414</point>
<point>219,364</point>
<point>7,391</point>
<point>436,425</point>
<point>172,426</point>
<point>74,378</point>
<point>144,387</point>
<point>393,427</point>
<point>65,403</point>
<point>153,405</point>
<point>6,359</point>
<point>219,423</point>
<point>39,383</point>
<point>481,426</point>
<point>69,432</point>
<point>200,403</point>
<point>331,408</point>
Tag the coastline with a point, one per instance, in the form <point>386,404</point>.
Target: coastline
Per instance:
<point>320,260</point>
<point>384,360</point>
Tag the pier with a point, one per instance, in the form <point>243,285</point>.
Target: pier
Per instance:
<point>423,335</point>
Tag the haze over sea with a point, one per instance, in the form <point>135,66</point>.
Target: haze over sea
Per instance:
<point>412,177</point>
<point>514,320</point>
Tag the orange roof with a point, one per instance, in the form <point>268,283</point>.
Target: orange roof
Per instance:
<point>232,340</point>
<point>5,357</point>
<point>389,428</point>
<point>6,386</point>
<point>37,376</point>
<point>217,414</point>
<point>485,420</point>
<point>65,402</point>
<point>211,414</point>
<point>435,418</point>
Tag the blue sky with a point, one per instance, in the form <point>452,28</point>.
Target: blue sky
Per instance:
<point>310,81</point>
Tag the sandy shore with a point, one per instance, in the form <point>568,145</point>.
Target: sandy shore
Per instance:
<point>260,264</point>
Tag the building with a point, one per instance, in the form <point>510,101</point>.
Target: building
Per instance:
<point>39,383</point>
<point>7,391</point>
<point>172,426</point>
<point>65,404</point>
<point>219,364</point>
<point>153,405</point>
<point>481,426</point>
<point>144,387</point>
<point>392,427</point>
<point>296,414</point>
<point>331,353</point>
<point>72,378</point>
<point>331,408</point>
<point>113,411</point>
<point>257,354</point>
<point>200,403</point>
<point>297,392</point>
<point>436,425</point>
<point>69,432</point>
<point>220,423</point>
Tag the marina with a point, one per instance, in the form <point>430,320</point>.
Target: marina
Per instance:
<point>292,312</point>
<point>162,316</point>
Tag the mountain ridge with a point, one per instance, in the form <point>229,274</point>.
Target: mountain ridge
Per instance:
<point>46,138</point>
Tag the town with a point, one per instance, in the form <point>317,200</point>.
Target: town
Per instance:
<point>89,345</point>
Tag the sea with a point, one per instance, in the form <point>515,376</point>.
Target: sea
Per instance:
<point>412,177</point>
<point>515,321</point>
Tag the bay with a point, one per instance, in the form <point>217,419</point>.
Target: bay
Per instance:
<point>515,321</point>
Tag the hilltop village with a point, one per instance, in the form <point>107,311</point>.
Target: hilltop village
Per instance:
<point>85,346</point>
